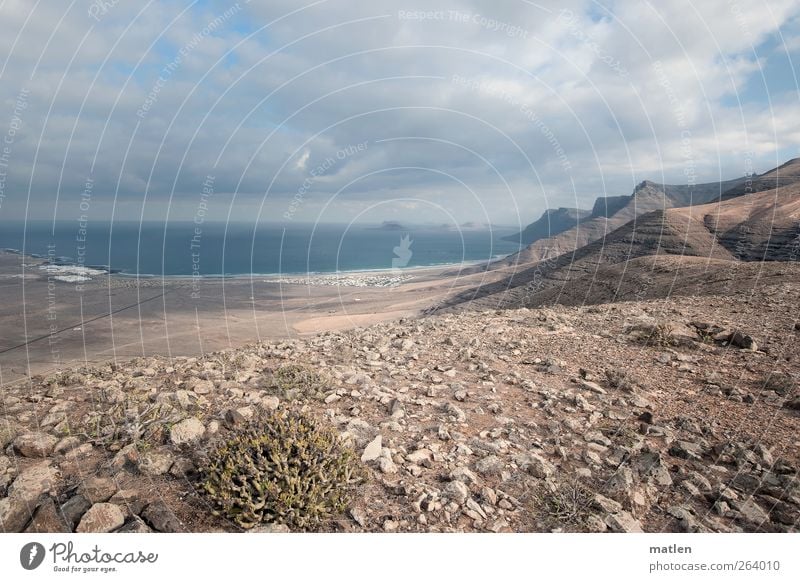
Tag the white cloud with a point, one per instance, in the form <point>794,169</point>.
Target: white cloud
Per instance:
<point>573,98</point>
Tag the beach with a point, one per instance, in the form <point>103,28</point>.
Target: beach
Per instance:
<point>56,318</point>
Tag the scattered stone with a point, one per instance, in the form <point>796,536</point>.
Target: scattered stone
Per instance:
<point>623,522</point>
<point>187,431</point>
<point>97,489</point>
<point>464,475</point>
<point>183,467</point>
<point>73,509</point>
<point>161,518</point>
<point>18,507</point>
<point>457,492</point>
<point>491,465</point>
<point>372,451</point>
<point>7,433</point>
<point>387,466</point>
<point>592,387</point>
<point>743,341</point>
<point>686,450</point>
<point>66,445</point>
<point>202,386</point>
<point>129,499</point>
<point>155,463</point>
<point>359,516</point>
<point>35,444</point>
<point>534,464</point>
<point>135,525</point>
<point>270,403</point>
<point>101,518</point>
<point>48,519</point>
<point>271,528</point>
<point>455,412</point>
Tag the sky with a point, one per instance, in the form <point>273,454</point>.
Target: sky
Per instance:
<point>426,112</point>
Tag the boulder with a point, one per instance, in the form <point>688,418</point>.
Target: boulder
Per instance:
<point>23,495</point>
<point>187,431</point>
<point>35,444</point>
<point>372,451</point>
<point>623,522</point>
<point>97,489</point>
<point>48,519</point>
<point>161,518</point>
<point>73,509</point>
<point>101,518</point>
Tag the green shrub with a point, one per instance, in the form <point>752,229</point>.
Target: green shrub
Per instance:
<point>563,503</point>
<point>286,467</point>
<point>297,381</point>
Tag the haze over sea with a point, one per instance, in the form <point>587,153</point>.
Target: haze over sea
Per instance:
<point>178,249</point>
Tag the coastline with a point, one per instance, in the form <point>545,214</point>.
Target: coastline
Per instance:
<point>414,271</point>
<point>51,324</point>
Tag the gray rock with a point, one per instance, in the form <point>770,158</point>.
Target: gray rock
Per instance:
<point>73,509</point>
<point>623,522</point>
<point>155,463</point>
<point>202,386</point>
<point>372,451</point>
<point>592,387</point>
<point>48,519</point>
<point>7,433</point>
<point>359,516</point>
<point>606,504</point>
<point>752,513</point>
<point>66,445</point>
<point>187,431</point>
<point>183,467</point>
<point>135,525</point>
<point>490,465</point>
<point>271,528</point>
<point>35,444</point>
<point>270,403</point>
<point>23,495</point>
<point>456,492</point>
<point>161,518</point>
<point>686,450</point>
<point>463,474</point>
<point>101,518</point>
<point>743,341</point>
<point>535,464</point>
<point>97,489</point>
<point>455,412</point>
<point>386,465</point>
<point>131,500</point>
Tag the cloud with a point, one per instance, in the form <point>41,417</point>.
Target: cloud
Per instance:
<point>490,112</point>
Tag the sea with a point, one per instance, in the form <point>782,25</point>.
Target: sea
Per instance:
<point>178,249</point>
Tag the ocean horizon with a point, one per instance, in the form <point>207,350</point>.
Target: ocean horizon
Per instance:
<point>185,249</point>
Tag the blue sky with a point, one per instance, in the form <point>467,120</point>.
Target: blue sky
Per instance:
<point>467,110</point>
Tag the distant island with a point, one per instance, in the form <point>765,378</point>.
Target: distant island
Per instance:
<point>390,225</point>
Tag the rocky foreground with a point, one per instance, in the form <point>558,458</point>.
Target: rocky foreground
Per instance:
<point>677,415</point>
